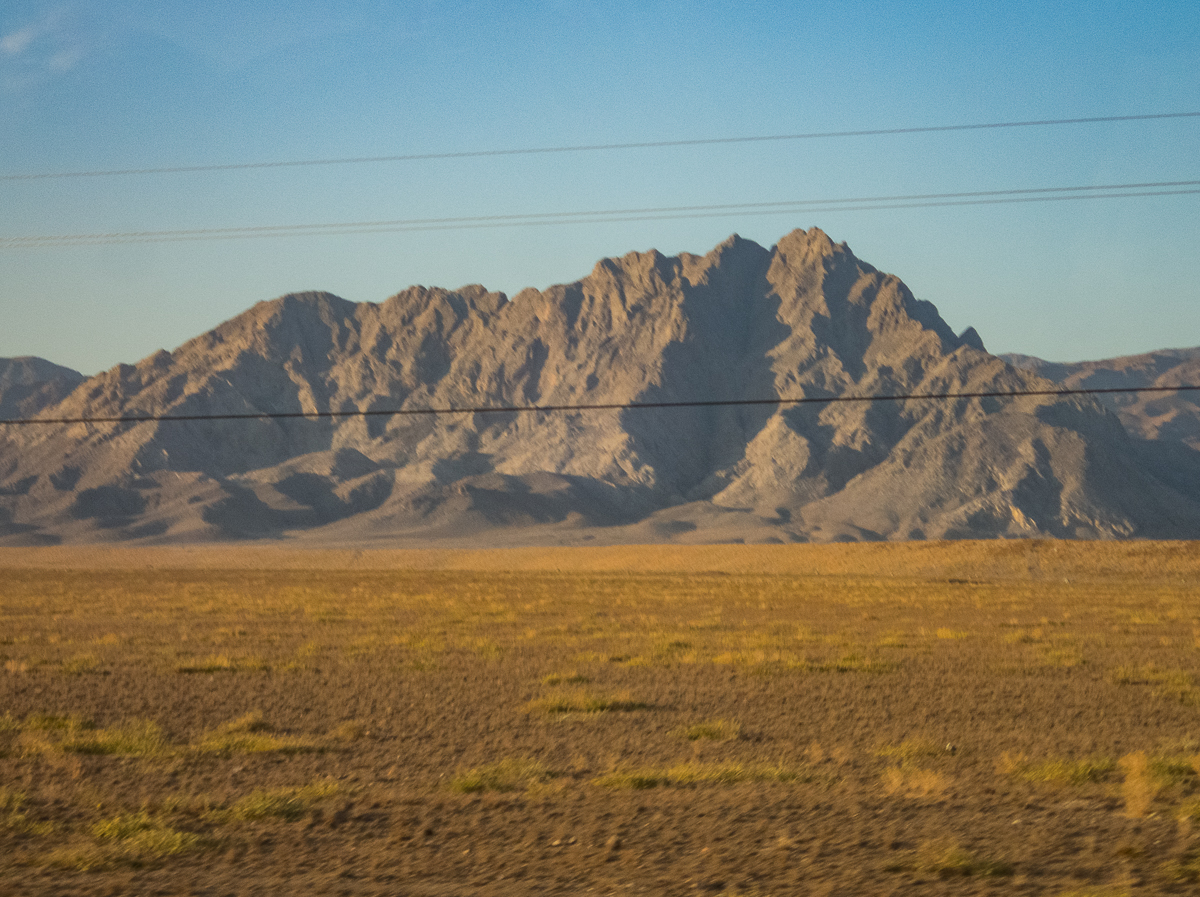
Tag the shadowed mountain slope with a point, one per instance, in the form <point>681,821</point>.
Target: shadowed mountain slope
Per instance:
<point>28,384</point>
<point>804,318</point>
<point>1169,417</point>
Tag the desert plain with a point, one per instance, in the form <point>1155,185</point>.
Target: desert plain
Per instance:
<point>999,717</point>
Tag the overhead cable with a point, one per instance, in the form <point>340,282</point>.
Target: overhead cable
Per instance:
<point>655,213</point>
<point>602,406</point>
<point>591,147</point>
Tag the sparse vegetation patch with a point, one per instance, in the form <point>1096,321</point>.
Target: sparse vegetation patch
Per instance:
<point>127,841</point>
<point>288,804</point>
<point>221,663</point>
<point>697,773</point>
<point>50,734</point>
<point>1175,684</point>
<point>710,730</point>
<point>251,734</point>
<point>912,749</point>
<point>510,774</point>
<point>582,701</point>
<point>1060,772</point>
<point>948,860</point>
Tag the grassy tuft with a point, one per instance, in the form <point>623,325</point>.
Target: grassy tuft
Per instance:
<point>1186,869</point>
<point>952,860</point>
<point>944,632</point>
<point>1137,788</point>
<point>132,841</point>
<point>1175,684</point>
<point>852,663</point>
<point>710,730</point>
<point>48,722</point>
<point>82,664</point>
<point>569,678</point>
<point>696,773</point>
<point>281,803</point>
<point>350,730</point>
<point>728,773</point>
<point>912,749</point>
<point>221,663</point>
<point>11,801</point>
<point>13,819</point>
<point>50,734</point>
<point>1174,771</point>
<point>918,784</point>
<point>122,828</point>
<point>251,734</point>
<point>141,738</point>
<point>1190,810</point>
<point>633,779</point>
<point>1060,772</point>
<point>510,774</point>
<point>581,701</point>
<point>947,860</point>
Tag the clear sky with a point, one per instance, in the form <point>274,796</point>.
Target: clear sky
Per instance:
<point>102,84</point>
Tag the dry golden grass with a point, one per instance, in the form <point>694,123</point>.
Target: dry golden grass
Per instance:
<point>695,773</point>
<point>749,719</point>
<point>41,733</point>
<point>278,803</point>
<point>913,749</point>
<point>968,563</point>
<point>582,701</point>
<point>125,841</point>
<point>1059,772</point>
<point>915,783</point>
<point>710,730</point>
<point>509,774</point>
<point>251,734</point>
<point>569,678</point>
<point>947,859</point>
<point>1137,789</point>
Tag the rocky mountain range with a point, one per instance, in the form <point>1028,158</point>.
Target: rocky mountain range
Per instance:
<point>802,318</point>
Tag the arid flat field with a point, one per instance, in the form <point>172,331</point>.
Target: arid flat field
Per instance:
<point>928,718</point>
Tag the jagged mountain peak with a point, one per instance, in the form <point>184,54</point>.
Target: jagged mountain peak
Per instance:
<point>735,247</point>
<point>800,247</point>
<point>971,338</point>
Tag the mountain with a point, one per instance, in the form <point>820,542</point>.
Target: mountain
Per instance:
<point>803,318</point>
<point>28,384</point>
<point>1171,417</point>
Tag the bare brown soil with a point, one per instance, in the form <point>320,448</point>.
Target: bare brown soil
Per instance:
<point>966,718</point>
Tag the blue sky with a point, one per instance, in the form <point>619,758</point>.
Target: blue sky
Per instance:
<point>87,85</point>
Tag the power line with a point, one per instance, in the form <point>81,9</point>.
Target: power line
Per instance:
<point>605,406</point>
<point>408,225</point>
<point>593,147</point>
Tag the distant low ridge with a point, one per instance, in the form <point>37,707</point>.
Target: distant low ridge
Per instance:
<point>803,318</point>
<point>27,385</point>
<point>1170,417</point>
